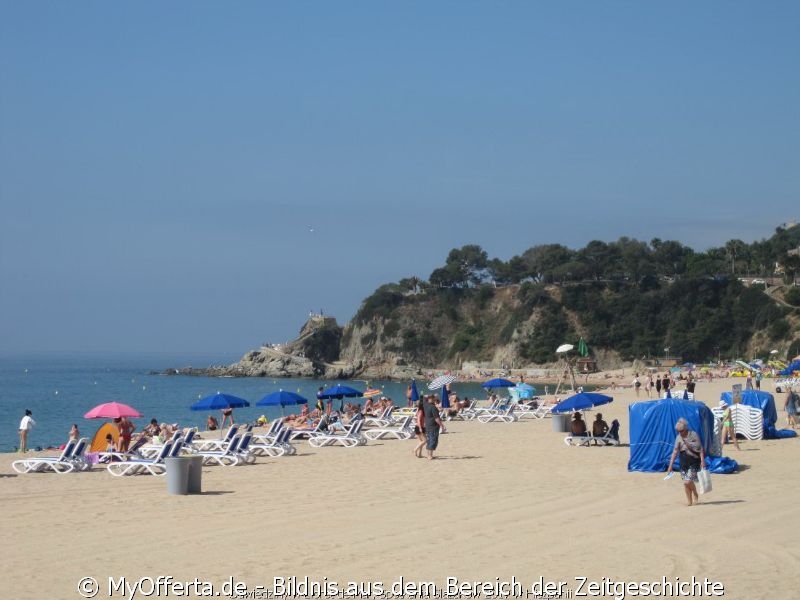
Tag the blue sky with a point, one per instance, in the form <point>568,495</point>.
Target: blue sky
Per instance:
<point>162,164</point>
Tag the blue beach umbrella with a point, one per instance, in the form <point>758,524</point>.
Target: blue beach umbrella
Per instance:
<point>497,382</point>
<point>281,398</point>
<point>414,391</point>
<point>341,392</point>
<point>219,401</point>
<point>581,401</point>
<point>445,398</point>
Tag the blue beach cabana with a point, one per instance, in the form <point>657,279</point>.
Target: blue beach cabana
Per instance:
<point>652,430</point>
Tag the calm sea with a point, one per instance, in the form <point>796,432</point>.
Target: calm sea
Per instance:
<point>59,390</point>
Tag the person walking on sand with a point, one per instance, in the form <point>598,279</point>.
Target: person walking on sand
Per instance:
<point>636,384</point>
<point>419,428</point>
<point>433,423</point>
<point>658,386</point>
<point>692,458</point>
<point>726,426</point>
<point>790,406</point>
<point>25,425</point>
<point>648,386</point>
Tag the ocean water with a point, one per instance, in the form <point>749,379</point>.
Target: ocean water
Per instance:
<point>60,390</point>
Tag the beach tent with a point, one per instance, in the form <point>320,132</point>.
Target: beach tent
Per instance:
<point>788,371</point>
<point>757,399</point>
<point>99,443</point>
<point>652,430</point>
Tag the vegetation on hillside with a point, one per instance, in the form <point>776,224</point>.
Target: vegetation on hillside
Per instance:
<point>630,297</point>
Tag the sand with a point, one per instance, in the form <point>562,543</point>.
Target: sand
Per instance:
<point>501,501</point>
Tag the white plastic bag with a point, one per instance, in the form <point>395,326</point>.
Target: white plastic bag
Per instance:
<point>703,481</point>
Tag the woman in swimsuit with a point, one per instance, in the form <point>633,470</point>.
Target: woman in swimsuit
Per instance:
<point>726,428</point>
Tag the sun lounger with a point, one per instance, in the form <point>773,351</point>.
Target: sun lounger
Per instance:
<point>70,459</point>
<point>473,412</point>
<point>229,457</point>
<point>135,466</point>
<point>243,450</point>
<point>382,420</point>
<point>133,452</point>
<point>611,438</point>
<point>578,440</point>
<point>507,416</point>
<point>401,431</point>
<point>278,446</point>
<point>216,445</point>
<point>353,437</point>
<point>307,433</point>
<point>269,437</point>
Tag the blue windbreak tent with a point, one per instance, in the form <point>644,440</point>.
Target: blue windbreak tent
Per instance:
<point>652,430</point>
<point>757,399</point>
<point>788,371</point>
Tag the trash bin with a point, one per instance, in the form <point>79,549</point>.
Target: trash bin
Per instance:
<point>177,475</point>
<point>195,474</point>
<point>560,423</point>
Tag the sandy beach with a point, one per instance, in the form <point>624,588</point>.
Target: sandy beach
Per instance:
<point>501,501</point>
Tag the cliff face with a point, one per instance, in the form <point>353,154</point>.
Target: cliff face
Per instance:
<point>441,332</point>
<point>397,331</point>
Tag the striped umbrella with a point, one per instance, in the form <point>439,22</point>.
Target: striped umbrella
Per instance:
<point>441,381</point>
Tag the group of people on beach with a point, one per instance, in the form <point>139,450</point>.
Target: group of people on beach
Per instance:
<point>659,383</point>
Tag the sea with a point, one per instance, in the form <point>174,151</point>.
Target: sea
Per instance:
<point>59,390</point>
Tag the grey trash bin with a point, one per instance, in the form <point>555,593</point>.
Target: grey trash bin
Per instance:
<point>195,474</point>
<point>177,476</point>
<point>560,423</point>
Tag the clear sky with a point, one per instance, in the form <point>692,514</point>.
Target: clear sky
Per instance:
<point>197,176</point>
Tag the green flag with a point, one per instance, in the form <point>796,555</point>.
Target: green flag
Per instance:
<point>583,349</point>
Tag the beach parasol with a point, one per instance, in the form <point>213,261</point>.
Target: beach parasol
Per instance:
<point>581,401</point>
<point>497,382</point>
<point>414,391</point>
<point>112,410</point>
<point>441,381</point>
<point>445,397</point>
<point>219,401</point>
<point>340,391</point>
<point>281,398</point>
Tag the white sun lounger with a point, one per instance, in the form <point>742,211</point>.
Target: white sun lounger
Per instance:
<point>70,459</point>
<point>382,420</point>
<point>506,416</point>
<point>216,445</point>
<point>401,431</point>
<point>353,437</point>
<point>278,446</point>
<point>269,437</point>
<point>136,466</point>
<point>229,457</point>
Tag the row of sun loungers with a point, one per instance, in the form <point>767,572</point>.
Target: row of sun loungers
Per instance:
<point>240,446</point>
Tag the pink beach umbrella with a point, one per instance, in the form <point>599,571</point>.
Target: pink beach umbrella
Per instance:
<point>112,410</point>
